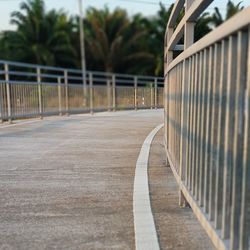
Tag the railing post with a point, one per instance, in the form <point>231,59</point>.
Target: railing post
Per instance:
<point>7,78</point>
<point>1,104</point>
<point>189,35</point>
<point>59,96</point>
<point>189,29</point>
<point>66,91</point>
<point>38,73</point>
<point>151,96</point>
<point>135,91</point>
<point>85,89</point>
<point>91,93</point>
<point>182,200</point>
<point>114,92</point>
<point>156,96</point>
<point>109,94</point>
<point>170,54</point>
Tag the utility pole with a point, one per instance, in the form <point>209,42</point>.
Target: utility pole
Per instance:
<point>82,46</point>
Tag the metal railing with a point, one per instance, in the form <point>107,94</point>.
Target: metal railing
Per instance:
<point>28,90</point>
<point>207,119</point>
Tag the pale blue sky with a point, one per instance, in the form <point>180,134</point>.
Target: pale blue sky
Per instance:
<point>71,6</point>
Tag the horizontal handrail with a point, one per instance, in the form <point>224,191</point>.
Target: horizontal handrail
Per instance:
<point>175,13</point>
<point>28,90</point>
<point>237,22</point>
<point>70,70</point>
<point>197,7</point>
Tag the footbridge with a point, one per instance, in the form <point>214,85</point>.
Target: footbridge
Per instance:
<point>82,163</point>
<point>93,160</point>
<point>91,181</point>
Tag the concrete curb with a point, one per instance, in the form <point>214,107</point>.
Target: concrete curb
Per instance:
<point>144,226</point>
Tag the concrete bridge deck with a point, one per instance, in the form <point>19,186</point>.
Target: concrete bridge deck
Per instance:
<point>67,183</point>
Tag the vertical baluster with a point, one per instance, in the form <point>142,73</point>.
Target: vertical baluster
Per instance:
<point>91,93</point>
<point>203,127</point>
<point>151,96</point>
<point>179,101</point>
<point>207,139</point>
<point>66,91</point>
<point>183,95</point>
<point>245,201</point>
<point>229,133</point>
<point>166,109</point>
<point>176,118</point>
<point>194,127</point>
<point>156,96</point>
<point>238,140</point>
<point>188,119</point>
<point>1,103</point>
<point>170,112</point>
<point>108,94</point>
<point>38,73</point>
<point>191,104</point>
<point>221,135</point>
<point>114,92</point>
<point>14,101</point>
<point>191,124</point>
<point>214,130</point>
<point>135,92</point>
<point>193,121</point>
<point>59,96</point>
<point>8,94</point>
<point>198,129</point>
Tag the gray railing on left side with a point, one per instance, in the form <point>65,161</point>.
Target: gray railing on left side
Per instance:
<point>28,90</point>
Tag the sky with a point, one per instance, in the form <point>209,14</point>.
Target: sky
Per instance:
<point>146,7</point>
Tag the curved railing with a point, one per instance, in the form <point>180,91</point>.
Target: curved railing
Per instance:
<point>28,90</point>
<point>207,119</point>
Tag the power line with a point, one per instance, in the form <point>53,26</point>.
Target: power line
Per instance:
<point>133,1</point>
<point>145,2</point>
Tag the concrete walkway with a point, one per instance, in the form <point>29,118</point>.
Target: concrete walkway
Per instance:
<point>67,183</point>
<point>177,227</point>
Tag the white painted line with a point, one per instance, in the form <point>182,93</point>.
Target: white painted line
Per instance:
<point>145,231</point>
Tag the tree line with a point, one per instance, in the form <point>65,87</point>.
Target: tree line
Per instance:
<point>114,41</point>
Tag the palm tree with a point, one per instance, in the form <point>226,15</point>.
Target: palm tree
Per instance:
<point>217,18</point>
<point>202,26</point>
<point>231,10</point>
<point>41,37</point>
<point>156,27</point>
<point>114,42</point>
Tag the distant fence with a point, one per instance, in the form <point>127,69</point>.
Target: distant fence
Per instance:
<point>28,90</point>
<point>207,119</point>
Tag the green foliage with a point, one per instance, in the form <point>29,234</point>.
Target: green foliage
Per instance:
<point>156,27</point>
<point>231,9</point>
<point>41,37</point>
<point>114,41</point>
<point>202,26</point>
